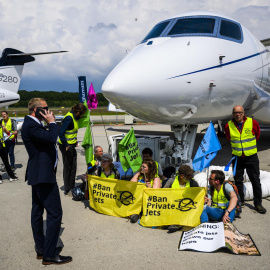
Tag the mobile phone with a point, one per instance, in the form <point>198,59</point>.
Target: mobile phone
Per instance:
<point>38,112</point>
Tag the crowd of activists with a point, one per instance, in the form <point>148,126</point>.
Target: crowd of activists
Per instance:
<point>222,201</point>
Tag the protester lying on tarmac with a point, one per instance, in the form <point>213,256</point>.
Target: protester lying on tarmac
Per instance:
<point>224,199</point>
<point>107,169</point>
<point>92,166</point>
<point>183,179</point>
<point>148,175</point>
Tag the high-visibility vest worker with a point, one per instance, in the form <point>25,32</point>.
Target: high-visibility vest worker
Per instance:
<point>244,142</point>
<point>219,199</point>
<point>177,185</point>
<point>71,135</point>
<point>9,127</point>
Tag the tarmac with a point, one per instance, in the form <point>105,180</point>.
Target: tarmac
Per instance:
<point>97,241</point>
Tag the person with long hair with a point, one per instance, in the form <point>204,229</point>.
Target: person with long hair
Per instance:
<point>148,175</point>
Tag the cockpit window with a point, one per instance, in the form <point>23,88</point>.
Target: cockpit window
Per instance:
<point>193,26</point>
<point>230,29</point>
<point>157,30</point>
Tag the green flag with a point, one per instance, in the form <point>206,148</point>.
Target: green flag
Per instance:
<point>85,119</point>
<point>129,153</point>
<point>87,144</point>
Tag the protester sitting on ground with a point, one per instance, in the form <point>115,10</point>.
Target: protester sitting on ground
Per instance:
<point>147,155</point>
<point>182,179</point>
<point>91,167</point>
<point>107,169</point>
<point>224,199</point>
<point>148,175</point>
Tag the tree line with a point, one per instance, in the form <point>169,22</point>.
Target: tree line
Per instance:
<point>55,99</point>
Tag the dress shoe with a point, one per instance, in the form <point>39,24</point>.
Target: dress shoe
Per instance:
<point>56,260</point>
<point>40,253</point>
<point>260,209</point>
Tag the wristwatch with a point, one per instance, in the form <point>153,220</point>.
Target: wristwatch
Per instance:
<point>227,211</point>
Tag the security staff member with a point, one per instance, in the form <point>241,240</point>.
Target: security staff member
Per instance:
<point>243,133</point>
<point>11,126</point>
<point>67,143</point>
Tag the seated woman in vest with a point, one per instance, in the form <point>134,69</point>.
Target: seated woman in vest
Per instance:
<point>107,169</point>
<point>182,179</point>
<point>148,175</point>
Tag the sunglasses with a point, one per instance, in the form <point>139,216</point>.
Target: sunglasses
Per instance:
<point>44,108</point>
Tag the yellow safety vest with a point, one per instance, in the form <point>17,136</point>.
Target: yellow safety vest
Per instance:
<point>93,162</point>
<point>71,135</point>
<point>113,176</point>
<point>219,199</point>
<point>152,182</point>
<point>176,183</point>
<point>245,141</point>
<point>8,126</point>
<point>2,137</point>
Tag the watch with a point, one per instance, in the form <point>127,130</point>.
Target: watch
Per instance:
<point>227,211</point>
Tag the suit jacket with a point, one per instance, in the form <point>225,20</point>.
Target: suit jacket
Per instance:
<point>40,145</point>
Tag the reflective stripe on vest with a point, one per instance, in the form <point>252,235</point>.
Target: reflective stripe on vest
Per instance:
<point>8,126</point>
<point>244,142</point>
<point>2,137</point>
<point>71,135</point>
<point>177,185</point>
<point>219,199</point>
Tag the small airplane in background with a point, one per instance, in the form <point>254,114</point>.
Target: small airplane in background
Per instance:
<point>192,69</point>
<point>11,67</point>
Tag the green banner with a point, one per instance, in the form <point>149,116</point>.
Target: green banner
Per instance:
<point>85,119</point>
<point>87,144</point>
<point>129,153</point>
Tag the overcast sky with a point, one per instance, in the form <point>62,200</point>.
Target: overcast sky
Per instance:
<point>97,33</point>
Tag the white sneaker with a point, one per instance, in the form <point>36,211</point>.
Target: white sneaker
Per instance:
<point>13,179</point>
<point>1,182</point>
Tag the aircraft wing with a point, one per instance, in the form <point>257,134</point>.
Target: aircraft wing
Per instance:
<point>29,54</point>
<point>266,42</point>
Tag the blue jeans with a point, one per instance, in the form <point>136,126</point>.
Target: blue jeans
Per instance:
<point>10,149</point>
<point>215,214</point>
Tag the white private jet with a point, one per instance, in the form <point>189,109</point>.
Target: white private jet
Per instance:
<point>192,69</point>
<point>11,66</point>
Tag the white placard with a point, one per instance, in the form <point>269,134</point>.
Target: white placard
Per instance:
<point>207,237</point>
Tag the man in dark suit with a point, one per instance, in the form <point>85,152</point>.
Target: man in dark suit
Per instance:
<point>41,175</point>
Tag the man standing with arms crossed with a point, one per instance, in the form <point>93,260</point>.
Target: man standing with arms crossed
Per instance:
<point>40,144</point>
<point>243,133</point>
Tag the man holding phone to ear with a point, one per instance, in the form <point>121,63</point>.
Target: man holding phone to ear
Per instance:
<point>40,144</point>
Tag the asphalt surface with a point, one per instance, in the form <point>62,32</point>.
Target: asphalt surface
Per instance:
<point>97,241</point>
